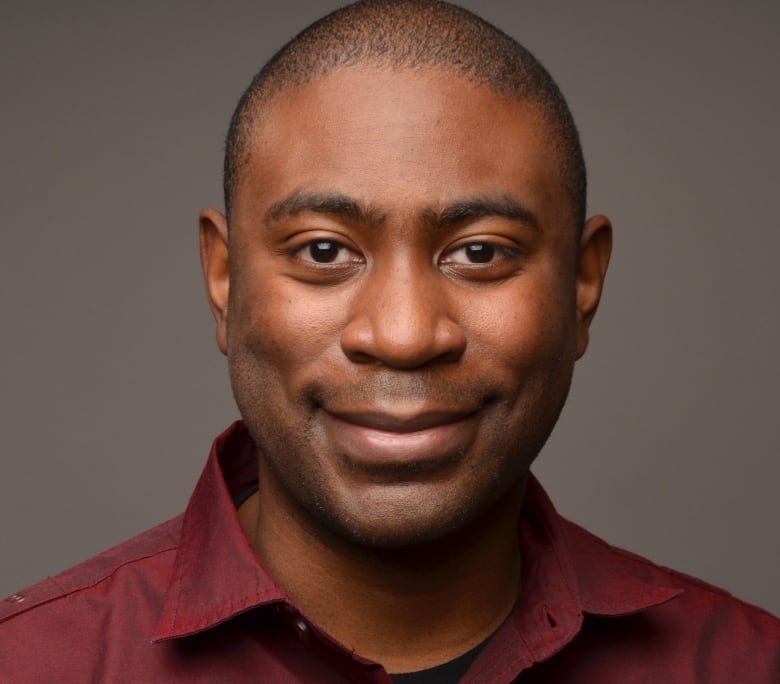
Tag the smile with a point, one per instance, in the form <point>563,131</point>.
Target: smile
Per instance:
<point>370,439</point>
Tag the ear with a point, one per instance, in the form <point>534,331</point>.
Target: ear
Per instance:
<point>595,248</point>
<point>214,260</point>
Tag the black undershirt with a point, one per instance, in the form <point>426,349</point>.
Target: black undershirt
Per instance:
<point>446,673</point>
<point>242,496</point>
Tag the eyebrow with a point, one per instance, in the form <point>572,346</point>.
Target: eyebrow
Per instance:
<point>337,204</point>
<point>504,206</point>
<point>323,203</point>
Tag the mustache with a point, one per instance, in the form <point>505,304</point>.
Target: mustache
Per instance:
<point>385,387</point>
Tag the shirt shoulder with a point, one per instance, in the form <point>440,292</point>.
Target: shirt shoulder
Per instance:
<point>638,566</point>
<point>701,626</point>
<point>148,554</point>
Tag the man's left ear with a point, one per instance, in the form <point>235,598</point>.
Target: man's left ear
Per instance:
<point>595,248</point>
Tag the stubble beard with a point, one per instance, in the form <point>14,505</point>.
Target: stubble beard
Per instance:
<point>392,520</point>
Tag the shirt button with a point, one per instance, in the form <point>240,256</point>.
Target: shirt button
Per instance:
<point>15,598</point>
<point>302,627</point>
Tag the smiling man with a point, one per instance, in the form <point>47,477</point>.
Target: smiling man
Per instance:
<point>402,282</point>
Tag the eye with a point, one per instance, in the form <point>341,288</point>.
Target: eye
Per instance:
<point>325,251</point>
<point>478,253</point>
<point>483,260</point>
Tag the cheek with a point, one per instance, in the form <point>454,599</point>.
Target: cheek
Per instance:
<point>527,323</point>
<point>277,326</point>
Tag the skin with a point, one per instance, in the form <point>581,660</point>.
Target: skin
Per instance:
<point>402,296</point>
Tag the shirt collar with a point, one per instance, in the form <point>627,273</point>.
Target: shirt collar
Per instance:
<point>566,570</point>
<point>217,574</point>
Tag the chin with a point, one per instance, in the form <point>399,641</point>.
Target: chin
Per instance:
<point>407,516</point>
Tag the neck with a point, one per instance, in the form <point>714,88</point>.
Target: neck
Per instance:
<point>408,609</point>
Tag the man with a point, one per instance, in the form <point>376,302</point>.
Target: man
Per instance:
<point>402,281</point>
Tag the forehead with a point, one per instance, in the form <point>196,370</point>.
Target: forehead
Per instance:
<point>398,136</point>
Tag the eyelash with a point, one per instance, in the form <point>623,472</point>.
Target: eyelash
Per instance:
<point>502,260</point>
<point>484,247</point>
<point>335,244</point>
<point>477,245</point>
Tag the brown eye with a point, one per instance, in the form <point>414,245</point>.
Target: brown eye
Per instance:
<point>326,252</point>
<point>482,259</point>
<point>480,252</point>
<point>323,251</point>
<point>475,253</point>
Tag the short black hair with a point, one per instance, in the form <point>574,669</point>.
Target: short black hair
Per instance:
<point>411,34</point>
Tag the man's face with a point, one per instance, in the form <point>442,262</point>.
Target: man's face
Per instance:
<point>404,303</point>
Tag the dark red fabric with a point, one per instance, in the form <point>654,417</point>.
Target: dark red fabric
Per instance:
<point>189,601</point>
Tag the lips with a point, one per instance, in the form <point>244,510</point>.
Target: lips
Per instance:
<point>400,422</point>
<point>378,438</point>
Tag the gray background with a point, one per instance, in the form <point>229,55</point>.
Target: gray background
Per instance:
<point>111,388</point>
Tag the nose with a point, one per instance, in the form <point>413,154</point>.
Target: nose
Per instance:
<point>401,318</point>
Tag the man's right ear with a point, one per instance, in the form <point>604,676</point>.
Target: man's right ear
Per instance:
<point>216,272</point>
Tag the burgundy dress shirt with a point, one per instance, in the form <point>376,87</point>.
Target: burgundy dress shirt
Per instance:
<point>189,601</point>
